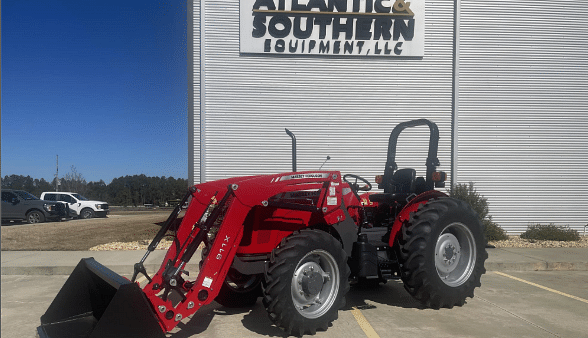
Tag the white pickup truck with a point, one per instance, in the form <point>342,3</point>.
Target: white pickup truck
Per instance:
<point>83,207</point>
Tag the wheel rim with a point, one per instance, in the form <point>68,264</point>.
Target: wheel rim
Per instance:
<point>455,254</point>
<point>315,284</point>
<point>34,217</point>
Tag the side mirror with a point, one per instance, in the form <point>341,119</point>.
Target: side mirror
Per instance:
<point>15,200</point>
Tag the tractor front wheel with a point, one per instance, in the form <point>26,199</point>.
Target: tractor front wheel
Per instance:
<point>239,290</point>
<point>306,282</point>
<point>442,253</point>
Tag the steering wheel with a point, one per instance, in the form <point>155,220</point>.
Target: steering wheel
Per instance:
<point>355,186</point>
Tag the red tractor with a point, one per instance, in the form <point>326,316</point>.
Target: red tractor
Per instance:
<point>295,239</point>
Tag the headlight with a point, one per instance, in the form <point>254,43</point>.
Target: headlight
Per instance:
<point>48,207</point>
<point>98,206</point>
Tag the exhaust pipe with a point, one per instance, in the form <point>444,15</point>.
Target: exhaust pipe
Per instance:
<point>291,134</point>
<point>96,302</point>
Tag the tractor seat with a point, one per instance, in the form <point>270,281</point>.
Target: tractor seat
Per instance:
<point>403,181</point>
<point>401,187</point>
<point>420,185</point>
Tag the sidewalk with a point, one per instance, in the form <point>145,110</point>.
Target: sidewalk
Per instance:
<point>63,262</point>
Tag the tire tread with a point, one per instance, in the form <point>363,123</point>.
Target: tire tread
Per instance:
<point>277,299</point>
<point>417,235</point>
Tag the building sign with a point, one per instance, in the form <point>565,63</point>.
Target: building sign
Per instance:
<point>333,27</point>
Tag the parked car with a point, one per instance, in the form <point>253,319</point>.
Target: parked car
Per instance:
<point>20,205</point>
<point>83,207</point>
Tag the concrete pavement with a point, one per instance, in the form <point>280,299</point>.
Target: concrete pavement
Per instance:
<point>515,303</point>
<point>63,262</point>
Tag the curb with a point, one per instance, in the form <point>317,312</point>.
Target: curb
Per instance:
<point>64,262</point>
<point>67,270</point>
<point>122,262</point>
<point>151,268</point>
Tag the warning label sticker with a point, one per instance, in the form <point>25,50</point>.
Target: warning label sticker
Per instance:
<point>207,282</point>
<point>331,200</point>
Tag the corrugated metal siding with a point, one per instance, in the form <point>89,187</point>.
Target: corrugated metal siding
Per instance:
<point>194,134</point>
<point>344,107</point>
<point>523,109</point>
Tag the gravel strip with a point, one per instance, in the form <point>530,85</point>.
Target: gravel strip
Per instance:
<point>517,242</point>
<point>138,245</point>
<point>513,242</point>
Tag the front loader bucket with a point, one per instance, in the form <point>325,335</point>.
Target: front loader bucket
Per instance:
<point>96,302</point>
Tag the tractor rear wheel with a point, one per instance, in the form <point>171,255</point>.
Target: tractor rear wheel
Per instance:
<point>442,253</point>
<point>306,282</point>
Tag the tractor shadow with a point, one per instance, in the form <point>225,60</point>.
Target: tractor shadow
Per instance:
<point>197,323</point>
<point>201,320</point>
<point>390,294</point>
<point>256,320</point>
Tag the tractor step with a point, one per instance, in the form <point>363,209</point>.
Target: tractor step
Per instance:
<point>389,270</point>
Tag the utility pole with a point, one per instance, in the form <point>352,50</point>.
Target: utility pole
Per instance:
<point>57,175</point>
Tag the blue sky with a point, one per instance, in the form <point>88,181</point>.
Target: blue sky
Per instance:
<point>102,84</point>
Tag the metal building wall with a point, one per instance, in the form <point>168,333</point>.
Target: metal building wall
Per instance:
<point>523,109</point>
<point>193,41</point>
<point>342,107</point>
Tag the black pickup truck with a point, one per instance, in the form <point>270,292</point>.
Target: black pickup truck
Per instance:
<point>21,205</point>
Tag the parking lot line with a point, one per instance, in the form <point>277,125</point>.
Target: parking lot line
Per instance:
<point>541,286</point>
<point>363,323</point>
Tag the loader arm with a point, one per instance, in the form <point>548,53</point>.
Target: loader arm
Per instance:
<point>217,212</point>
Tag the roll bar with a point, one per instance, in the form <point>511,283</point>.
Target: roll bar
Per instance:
<point>432,160</point>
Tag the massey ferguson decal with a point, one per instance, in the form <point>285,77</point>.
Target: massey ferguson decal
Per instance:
<point>333,27</point>
<point>301,176</point>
